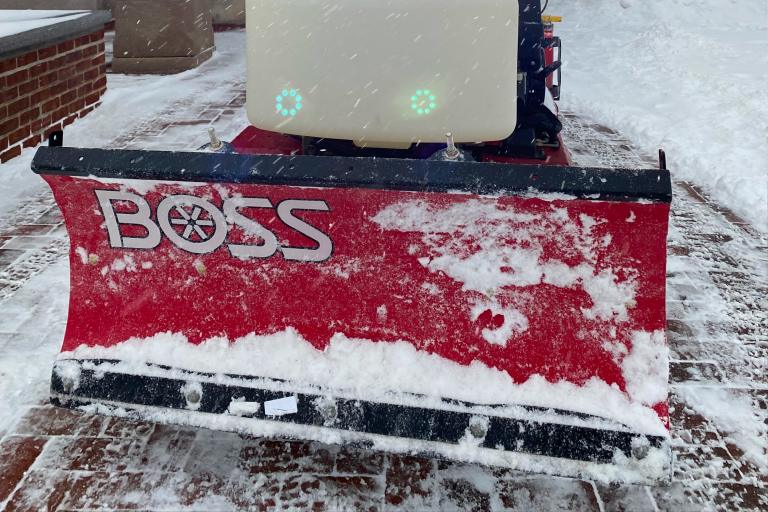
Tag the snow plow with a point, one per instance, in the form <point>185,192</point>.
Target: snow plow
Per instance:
<point>414,265</point>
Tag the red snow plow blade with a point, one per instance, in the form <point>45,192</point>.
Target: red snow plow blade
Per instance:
<point>501,314</point>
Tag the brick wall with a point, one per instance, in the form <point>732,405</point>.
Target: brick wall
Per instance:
<point>42,91</point>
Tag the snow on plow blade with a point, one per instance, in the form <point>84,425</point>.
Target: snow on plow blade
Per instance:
<point>500,314</point>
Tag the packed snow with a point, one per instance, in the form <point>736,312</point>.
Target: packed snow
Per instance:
<point>684,75</point>
<point>391,369</point>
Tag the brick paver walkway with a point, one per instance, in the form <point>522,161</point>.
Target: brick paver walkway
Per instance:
<point>62,460</point>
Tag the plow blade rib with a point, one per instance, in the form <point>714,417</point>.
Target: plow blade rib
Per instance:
<point>501,314</point>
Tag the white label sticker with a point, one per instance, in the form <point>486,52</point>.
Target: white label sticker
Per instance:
<point>281,406</point>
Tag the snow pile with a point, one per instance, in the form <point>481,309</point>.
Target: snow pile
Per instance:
<point>372,370</point>
<point>686,75</point>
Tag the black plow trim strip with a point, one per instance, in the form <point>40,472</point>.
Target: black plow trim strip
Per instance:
<point>368,417</point>
<point>604,184</point>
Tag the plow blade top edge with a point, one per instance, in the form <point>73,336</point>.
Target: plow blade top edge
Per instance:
<point>605,184</point>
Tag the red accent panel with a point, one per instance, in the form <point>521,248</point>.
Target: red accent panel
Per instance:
<point>371,266</point>
<point>253,141</point>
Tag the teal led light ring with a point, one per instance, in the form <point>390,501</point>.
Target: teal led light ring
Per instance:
<point>423,102</point>
<point>288,103</point>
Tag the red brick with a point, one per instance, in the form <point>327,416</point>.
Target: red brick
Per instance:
<point>3,143</point>
<point>16,456</point>
<point>61,113</point>
<point>57,63</point>
<point>18,106</point>
<point>49,78</point>
<point>69,120</point>
<point>8,94</point>
<point>407,476</point>
<point>101,82</point>
<point>100,47</point>
<point>9,125</point>
<point>91,74</point>
<point>83,66</point>
<point>76,106</point>
<point>65,46</point>
<point>27,58</point>
<point>47,53</point>
<point>87,111</point>
<point>72,84</point>
<point>40,96</point>
<point>96,36</point>
<point>66,73</point>
<point>19,135</point>
<point>82,40</point>
<point>51,105</point>
<point>92,98</point>
<point>28,87</point>
<point>83,90</point>
<point>36,125</point>
<point>73,56</point>
<point>17,78</point>
<point>7,65</point>
<point>11,153</point>
<point>30,115</point>
<point>68,97</point>
<point>29,496</point>
<point>89,51</point>
<point>32,141</point>
<point>38,69</point>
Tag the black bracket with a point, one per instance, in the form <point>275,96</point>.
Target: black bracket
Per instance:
<point>56,139</point>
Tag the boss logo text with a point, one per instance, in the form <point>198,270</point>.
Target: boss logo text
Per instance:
<point>198,226</point>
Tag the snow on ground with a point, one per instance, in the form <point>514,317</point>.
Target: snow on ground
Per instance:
<point>39,310</point>
<point>733,415</point>
<point>685,75</point>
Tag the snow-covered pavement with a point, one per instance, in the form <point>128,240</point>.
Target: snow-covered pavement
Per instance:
<point>63,460</point>
<point>686,75</point>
